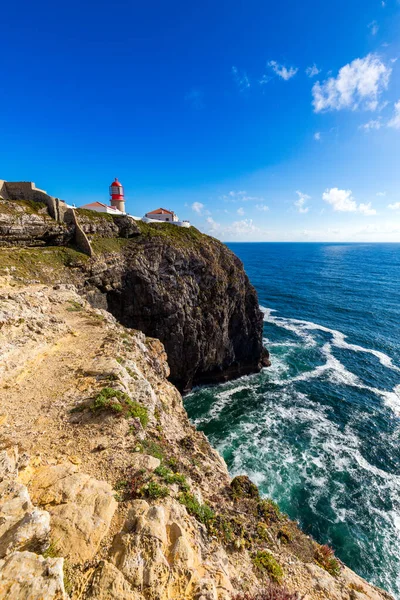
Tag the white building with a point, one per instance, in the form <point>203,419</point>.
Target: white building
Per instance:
<point>166,216</point>
<point>103,208</point>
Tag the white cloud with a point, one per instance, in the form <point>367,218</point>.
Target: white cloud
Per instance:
<point>241,228</point>
<point>358,84</point>
<point>313,71</point>
<point>343,201</point>
<point>366,209</point>
<point>372,124</point>
<point>383,3</point>
<point>240,196</point>
<point>241,79</point>
<point>395,206</point>
<point>301,202</point>
<point>282,71</point>
<point>240,211</point>
<point>395,120</point>
<point>317,136</point>
<point>214,226</point>
<point>197,207</point>
<point>262,207</point>
<point>381,194</point>
<point>373,27</point>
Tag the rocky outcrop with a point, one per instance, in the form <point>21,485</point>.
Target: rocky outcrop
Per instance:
<point>191,292</point>
<point>178,285</point>
<point>22,225</point>
<point>81,509</point>
<point>89,408</point>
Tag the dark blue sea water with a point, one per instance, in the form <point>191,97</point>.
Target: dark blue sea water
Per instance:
<point>319,431</point>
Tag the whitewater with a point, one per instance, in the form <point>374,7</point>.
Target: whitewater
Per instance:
<point>319,431</point>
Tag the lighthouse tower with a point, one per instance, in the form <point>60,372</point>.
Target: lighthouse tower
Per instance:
<point>117,195</point>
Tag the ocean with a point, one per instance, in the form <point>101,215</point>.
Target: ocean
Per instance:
<point>319,431</point>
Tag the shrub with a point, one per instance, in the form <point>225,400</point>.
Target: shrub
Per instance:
<point>170,477</point>
<point>266,563</point>
<point>325,557</point>
<point>285,535</point>
<point>119,402</point>
<point>269,511</point>
<point>201,512</point>
<point>153,491</point>
<point>243,487</point>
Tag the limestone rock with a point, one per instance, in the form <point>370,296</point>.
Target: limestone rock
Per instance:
<point>108,583</point>
<point>144,461</point>
<point>27,576</point>
<point>159,552</point>
<point>81,509</point>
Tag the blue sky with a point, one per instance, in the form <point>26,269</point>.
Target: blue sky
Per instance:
<point>255,120</point>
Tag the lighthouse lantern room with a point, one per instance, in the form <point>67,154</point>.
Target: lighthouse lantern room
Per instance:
<point>117,195</point>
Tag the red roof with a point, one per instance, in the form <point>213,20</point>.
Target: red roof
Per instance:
<point>160,211</point>
<point>115,182</point>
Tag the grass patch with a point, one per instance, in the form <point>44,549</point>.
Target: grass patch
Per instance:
<point>41,262</point>
<point>119,402</point>
<point>152,448</point>
<point>202,512</point>
<point>102,245</point>
<point>267,564</point>
<point>93,215</point>
<point>74,306</point>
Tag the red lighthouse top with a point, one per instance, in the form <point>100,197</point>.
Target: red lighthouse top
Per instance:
<point>116,190</point>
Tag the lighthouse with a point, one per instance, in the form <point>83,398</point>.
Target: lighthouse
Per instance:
<point>117,195</point>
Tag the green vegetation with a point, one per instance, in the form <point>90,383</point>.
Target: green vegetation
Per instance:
<point>324,556</point>
<point>169,477</point>
<point>202,512</point>
<point>93,215</point>
<point>243,487</point>
<point>285,535</point>
<point>153,491</point>
<point>41,262</point>
<point>74,306</point>
<point>269,511</point>
<point>104,245</point>
<point>28,206</point>
<point>119,402</point>
<point>266,563</point>
<point>152,448</point>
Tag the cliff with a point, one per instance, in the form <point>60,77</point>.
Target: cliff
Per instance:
<point>183,287</point>
<point>108,492</point>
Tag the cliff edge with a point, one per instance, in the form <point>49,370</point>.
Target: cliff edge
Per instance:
<point>178,285</point>
<point>109,493</point>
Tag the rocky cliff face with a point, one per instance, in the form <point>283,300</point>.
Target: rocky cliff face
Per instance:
<point>191,292</point>
<point>107,491</point>
<point>183,287</point>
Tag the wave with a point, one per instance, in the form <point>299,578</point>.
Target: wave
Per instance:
<point>301,328</point>
<point>333,368</point>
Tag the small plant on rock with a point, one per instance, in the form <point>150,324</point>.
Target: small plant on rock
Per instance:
<point>201,512</point>
<point>243,487</point>
<point>153,491</point>
<point>267,564</point>
<point>269,511</point>
<point>171,478</point>
<point>325,557</point>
